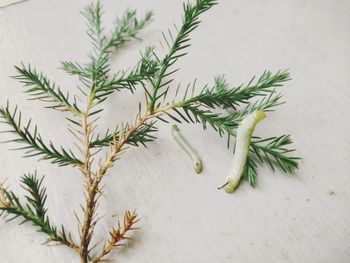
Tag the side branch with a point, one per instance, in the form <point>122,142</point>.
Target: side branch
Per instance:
<point>118,234</point>
<point>39,87</point>
<point>179,44</point>
<point>34,210</point>
<point>92,188</point>
<point>92,195</point>
<point>34,144</point>
<point>92,184</point>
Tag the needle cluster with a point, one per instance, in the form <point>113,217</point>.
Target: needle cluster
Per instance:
<point>34,210</point>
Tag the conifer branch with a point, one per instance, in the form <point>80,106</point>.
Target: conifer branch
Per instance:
<point>221,95</point>
<point>76,69</point>
<point>126,29</point>
<point>118,234</point>
<point>143,135</point>
<point>265,84</point>
<point>273,151</point>
<point>143,72</point>
<point>94,75</point>
<point>93,14</point>
<point>39,87</point>
<point>181,42</point>
<point>34,144</point>
<point>34,210</point>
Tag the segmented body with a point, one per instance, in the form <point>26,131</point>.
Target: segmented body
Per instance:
<point>244,134</point>
<point>197,163</point>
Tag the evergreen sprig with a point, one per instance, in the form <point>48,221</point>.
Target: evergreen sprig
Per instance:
<point>274,152</point>
<point>126,28</point>
<point>221,95</point>
<point>95,73</point>
<point>142,135</point>
<point>34,209</point>
<point>143,72</point>
<point>93,14</point>
<point>39,87</point>
<point>31,138</point>
<point>176,47</point>
<point>266,83</point>
<point>201,108</point>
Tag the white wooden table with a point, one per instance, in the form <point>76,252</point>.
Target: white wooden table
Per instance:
<point>303,218</point>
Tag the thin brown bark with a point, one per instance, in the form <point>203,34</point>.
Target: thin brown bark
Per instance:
<point>118,234</point>
<point>92,186</point>
<point>87,227</point>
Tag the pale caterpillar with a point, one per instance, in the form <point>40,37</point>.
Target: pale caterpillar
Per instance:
<point>197,163</point>
<point>244,134</point>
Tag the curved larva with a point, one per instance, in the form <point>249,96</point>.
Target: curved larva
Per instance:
<point>244,134</point>
<point>197,163</point>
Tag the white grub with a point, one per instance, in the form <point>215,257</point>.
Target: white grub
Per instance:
<point>197,163</point>
<point>244,134</point>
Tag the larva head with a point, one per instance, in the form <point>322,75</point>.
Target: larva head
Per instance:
<point>174,127</point>
<point>232,185</point>
<point>198,167</point>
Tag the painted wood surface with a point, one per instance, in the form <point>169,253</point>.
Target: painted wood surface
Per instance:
<point>303,218</point>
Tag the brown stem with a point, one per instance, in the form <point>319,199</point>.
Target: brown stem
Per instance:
<point>88,224</point>
<point>93,181</point>
<point>120,144</point>
<point>91,188</point>
<point>118,235</point>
